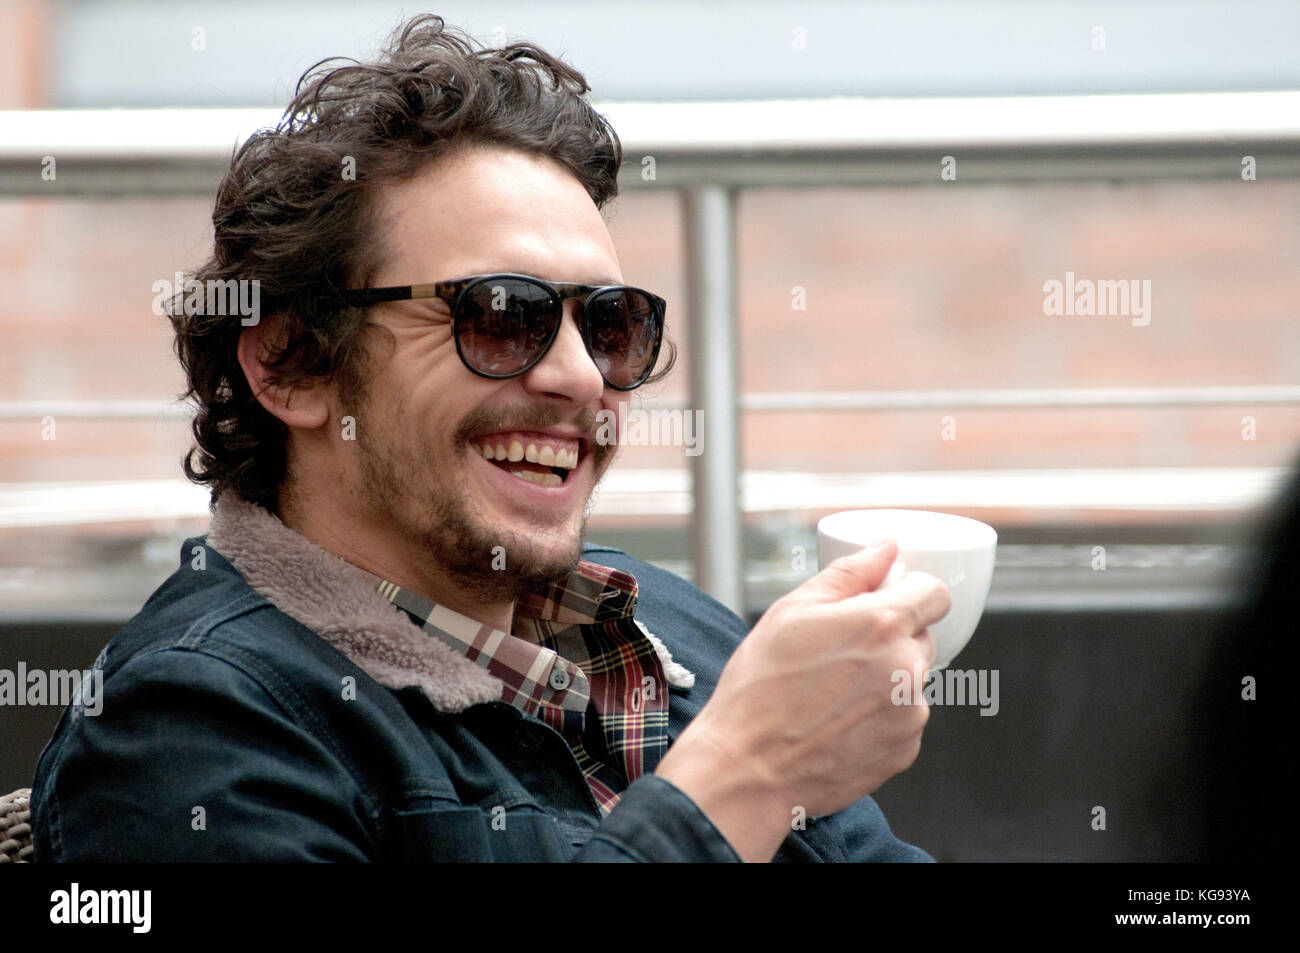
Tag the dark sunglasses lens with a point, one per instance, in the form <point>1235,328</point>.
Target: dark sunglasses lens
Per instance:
<point>623,335</point>
<point>503,325</point>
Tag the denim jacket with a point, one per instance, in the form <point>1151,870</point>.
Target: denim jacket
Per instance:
<point>231,729</point>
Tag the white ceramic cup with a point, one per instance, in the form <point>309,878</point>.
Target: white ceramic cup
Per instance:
<point>956,550</point>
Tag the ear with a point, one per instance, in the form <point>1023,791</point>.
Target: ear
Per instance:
<point>306,407</point>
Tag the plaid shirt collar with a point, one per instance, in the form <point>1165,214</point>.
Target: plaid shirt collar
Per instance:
<point>575,648</point>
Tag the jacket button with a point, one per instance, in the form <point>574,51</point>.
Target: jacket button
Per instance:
<point>559,678</point>
<point>527,739</point>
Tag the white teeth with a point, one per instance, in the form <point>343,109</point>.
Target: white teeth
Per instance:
<point>542,479</point>
<point>547,456</point>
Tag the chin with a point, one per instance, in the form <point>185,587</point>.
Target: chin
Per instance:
<point>505,558</point>
<point>552,561</point>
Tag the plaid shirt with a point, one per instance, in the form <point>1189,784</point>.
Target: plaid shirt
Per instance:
<point>578,660</point>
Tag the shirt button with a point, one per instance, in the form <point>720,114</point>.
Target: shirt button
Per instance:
<point>559,679</point>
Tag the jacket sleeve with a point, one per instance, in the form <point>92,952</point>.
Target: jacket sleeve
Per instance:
<point>190,759</point>
<point>656,822</point>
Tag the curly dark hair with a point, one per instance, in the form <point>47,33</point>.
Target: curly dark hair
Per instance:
<point>288,216</point>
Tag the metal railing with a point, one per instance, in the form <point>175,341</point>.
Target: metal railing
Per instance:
<point>709,150</point>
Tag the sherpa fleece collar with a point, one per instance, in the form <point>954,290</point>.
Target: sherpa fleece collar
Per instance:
<point>338,602</point>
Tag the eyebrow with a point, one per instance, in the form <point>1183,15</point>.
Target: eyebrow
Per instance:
<point>598,282</point>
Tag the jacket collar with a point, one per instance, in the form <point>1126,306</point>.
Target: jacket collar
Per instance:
<point>339,602</point>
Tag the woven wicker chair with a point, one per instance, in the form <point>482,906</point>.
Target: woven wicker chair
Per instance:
<point>15,827</point>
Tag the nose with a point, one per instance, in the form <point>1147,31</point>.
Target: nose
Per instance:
<point>567,370</point>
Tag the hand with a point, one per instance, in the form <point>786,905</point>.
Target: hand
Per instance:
<point>802,715</point>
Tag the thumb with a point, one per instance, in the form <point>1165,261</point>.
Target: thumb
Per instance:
<point>856,573</point>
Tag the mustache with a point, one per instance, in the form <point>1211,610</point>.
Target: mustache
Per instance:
<point>526,418</point>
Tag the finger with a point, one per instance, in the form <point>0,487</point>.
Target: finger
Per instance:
<point>854,574</point>
<point>926,594</point>
<point>926,640</point>
<point>919,594</point>
<point>919,652</point>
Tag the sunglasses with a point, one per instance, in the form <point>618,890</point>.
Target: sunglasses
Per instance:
<point>504,324</point>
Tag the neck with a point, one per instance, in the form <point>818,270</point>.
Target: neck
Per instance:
<point>368,546</point>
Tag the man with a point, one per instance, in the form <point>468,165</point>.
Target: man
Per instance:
<point>392,643</point>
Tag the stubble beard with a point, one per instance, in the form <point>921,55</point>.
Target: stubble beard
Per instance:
<point>448,529</point>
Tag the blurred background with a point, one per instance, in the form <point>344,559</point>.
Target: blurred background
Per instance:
<point>852,210</point>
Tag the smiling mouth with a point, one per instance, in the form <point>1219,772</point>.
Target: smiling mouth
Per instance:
<point>544,461</point>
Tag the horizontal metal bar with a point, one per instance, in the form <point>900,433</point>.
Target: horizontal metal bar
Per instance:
<point>779,402</point>
<point>97,596</point>
<point>784,126</point>
<point>668,492</point>
<point>1216,162</point>
<point>94,409</point>
<point>1182,599</point>
<point>1193,597</point>
<point>836,125</point>
<point>128,135</point>
<point>997,399</point>
<point>753,143</point>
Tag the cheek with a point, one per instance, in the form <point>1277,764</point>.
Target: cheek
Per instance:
<point>439,391</point>
<point>614,403</point>
<point>609,424</point>
<point>423,352</point>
